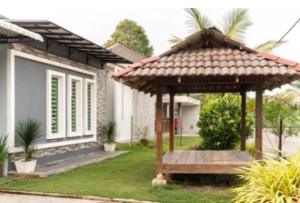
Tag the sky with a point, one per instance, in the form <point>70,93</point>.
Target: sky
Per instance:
<point>96,20</point>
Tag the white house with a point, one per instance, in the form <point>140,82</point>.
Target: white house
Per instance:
<point>129,108</point>
<point>186,114</point>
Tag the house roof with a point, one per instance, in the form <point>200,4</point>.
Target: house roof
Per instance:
<point>209,61</point>
<point>10,32</point>
<point>126,52</point>
<point>52,31</point>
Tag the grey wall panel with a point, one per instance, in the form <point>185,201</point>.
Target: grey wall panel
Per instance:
<point>3,89</point>
<point>30,93</point>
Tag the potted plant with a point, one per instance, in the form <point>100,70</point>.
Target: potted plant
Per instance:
<point>109,132</point>
<point>3,152</point>
<point>28,133</point>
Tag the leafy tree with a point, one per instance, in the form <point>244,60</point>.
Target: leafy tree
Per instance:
<point>132,35</point>
<point>219,122</point>
<point>234,24</point>
<point>281,108</point>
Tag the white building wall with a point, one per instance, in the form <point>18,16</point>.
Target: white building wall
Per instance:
<point>123,111</point>
<point>190,117</point>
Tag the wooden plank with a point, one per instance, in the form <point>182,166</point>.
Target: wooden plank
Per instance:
<point>171,128</point>
<point>258,122</point>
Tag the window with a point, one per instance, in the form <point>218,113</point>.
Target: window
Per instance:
<point>90,107</point>
<point>56,94</point>
<point>75,106</point>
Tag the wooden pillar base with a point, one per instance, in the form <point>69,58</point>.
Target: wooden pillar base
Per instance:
<point>159,180</point>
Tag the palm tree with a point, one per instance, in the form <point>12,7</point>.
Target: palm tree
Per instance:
<point>234,25</point>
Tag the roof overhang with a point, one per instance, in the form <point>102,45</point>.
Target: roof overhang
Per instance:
<point>10,32</point>
<point>52,31</point>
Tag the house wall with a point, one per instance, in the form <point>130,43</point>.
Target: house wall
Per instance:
<point>123,112</point>
<point>144,112</point>
<point>3,89</point>
<point>110,97</point>
<point>30,94</point>
<point>190,117</point>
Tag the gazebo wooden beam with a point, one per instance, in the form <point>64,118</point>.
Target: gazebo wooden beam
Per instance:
<point>171,127</point>
<point>243,121</point>
<point>159,129</point>
<point>258,122</point>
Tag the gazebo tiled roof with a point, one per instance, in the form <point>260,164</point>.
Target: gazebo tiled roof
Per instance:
<point>204,61</point>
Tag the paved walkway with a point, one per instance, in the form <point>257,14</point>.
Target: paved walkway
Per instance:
<point>69,164</point>
<point>72,163</point>
<point>13,198</point>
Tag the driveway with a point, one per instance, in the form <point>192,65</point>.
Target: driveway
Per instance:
<point>16,198</point>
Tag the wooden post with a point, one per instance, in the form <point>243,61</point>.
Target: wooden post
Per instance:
<point>243,121</point>
<point>159,130</point>
<point>258,122</point>
<point>171,128</point>
<point>280,137</point>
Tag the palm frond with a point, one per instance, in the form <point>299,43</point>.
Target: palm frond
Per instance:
<point>175,40</point>
<point>270,45</point>
<point>28,132</point>
<point>196,21</point>
<point>3,148</point>
<point>235,23</point>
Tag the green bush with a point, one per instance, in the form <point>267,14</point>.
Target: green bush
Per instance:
<point>28,133</point>
<point>219,122</point>
<point>3,149</point>
<point>109,131</point>
<point>275,180</point>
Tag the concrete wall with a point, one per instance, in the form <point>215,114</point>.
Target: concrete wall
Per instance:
<point>144,112</point>
<point>30,93</point>
<point>123,111</point>
<point>190,117</point>
<point>3,89</point>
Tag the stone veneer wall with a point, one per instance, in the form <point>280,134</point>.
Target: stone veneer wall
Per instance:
<point>56,150</point>
<point>101,77</point>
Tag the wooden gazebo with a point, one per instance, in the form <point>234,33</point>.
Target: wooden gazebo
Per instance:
<point>208,62</point>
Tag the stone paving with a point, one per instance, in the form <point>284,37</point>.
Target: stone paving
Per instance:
<point>17,198</point>
<point>72,163</point>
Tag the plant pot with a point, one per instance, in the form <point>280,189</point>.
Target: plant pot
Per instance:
<point>109,147</point>
<point>23,166</point>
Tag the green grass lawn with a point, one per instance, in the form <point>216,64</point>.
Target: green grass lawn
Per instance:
<point>127,176</point>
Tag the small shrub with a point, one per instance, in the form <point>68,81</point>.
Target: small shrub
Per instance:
<point>250,148</point>
<point>142,135</point>
<point>3,149</point>
<point>275,180</point>
<point>28,133</point>
<point>220,122</point>
<point>109,131</point>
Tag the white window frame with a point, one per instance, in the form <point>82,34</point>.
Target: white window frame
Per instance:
<point>93,107</point>
<point>79,106</point>
<point>61,105</point>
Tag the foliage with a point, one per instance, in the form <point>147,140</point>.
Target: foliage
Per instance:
<point>269,45</point>
<point>278,108</point>
<point>196,20</point>
<point>109,131</point>
<point>142,134</point>
<point>132,35</point>
<point>3,149</point>
<point>234,24</point>
<point>127,176</point>
<point>28,132</point>
<point>275,180</point>
<point>219,123</point>
<point>250,148</point>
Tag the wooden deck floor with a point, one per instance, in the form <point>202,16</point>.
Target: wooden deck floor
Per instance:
<point>204,162</point>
